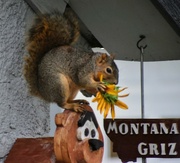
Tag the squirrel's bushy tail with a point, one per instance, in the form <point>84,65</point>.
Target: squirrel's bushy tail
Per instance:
<point>49,31</point>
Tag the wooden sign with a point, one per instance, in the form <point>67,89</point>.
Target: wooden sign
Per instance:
<point>132,138</point>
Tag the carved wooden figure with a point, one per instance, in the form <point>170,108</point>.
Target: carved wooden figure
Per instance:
<point>78,138</point>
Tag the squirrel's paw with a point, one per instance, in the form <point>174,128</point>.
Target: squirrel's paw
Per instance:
<point>101,87</point>
<point>81,102</point>
<point>76,105</point>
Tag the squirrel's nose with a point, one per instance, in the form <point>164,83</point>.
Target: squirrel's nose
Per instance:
<point>116,82</point>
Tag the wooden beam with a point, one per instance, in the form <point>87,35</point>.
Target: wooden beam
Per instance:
<point>44,6</point>
<point>170,9</point>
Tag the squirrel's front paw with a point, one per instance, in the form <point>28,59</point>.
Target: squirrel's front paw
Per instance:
<point>101,87</point>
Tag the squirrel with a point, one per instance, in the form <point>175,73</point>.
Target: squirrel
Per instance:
<point>55,70</point>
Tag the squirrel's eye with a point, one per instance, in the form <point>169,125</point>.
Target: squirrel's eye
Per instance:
<point>109,70</point>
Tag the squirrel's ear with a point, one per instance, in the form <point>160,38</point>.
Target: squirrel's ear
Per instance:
<point>112,56</point>
<point>102,58</point>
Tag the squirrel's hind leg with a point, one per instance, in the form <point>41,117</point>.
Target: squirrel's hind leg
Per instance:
<point>77,107</point>
<point>81,101</point>
<point>70,91</point>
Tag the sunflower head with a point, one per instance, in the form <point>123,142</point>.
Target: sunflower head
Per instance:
<point>106,100</point>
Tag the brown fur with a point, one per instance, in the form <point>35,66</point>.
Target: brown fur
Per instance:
<point>55,70</point>
<point>49,31</point>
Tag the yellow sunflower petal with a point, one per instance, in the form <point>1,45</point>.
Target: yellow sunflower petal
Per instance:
<point>94,99</point>
<point>112,111</point>
<point>111,86</point>
<point>103,106</point>
<point>120,90</point>
<point>112,92</point>
<point>98,96</point>
<point>101,78</point>
<point>107,107</point>
<point>124,95</point>
<point>100,103</point>
<point>121,104</point>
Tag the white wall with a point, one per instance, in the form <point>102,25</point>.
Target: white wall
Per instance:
<point>162,97</point>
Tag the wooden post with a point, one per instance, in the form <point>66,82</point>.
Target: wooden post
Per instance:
<point>78,137</point>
